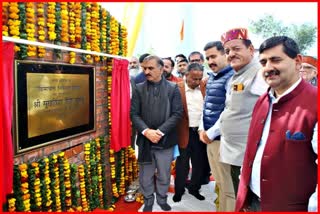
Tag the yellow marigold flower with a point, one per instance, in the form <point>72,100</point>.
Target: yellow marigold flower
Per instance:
<point>14,9</point>
<point>4,28</point>
<point>16,48</point>
<point>41,38</point>
<point>52,36</point>
<point>72,61</point>
<point>72,54</point>
<point>13,16</point>
<point>23,167</point>
<point>12,201</point>
<point>61,154</point>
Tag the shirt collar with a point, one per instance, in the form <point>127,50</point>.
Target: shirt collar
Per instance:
<point>289,90</point>
<point>190,89</point>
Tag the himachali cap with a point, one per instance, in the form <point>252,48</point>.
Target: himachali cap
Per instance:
<point>310,60</point>
<point>236,33</point>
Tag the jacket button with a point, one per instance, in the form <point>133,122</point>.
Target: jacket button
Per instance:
<point>262,121</point>
<point>250,164</point>
<point>264,180</point>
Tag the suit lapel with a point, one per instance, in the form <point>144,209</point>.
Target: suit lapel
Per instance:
<point>183,96</point>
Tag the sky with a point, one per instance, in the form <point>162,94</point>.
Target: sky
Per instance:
<point>204,22</point>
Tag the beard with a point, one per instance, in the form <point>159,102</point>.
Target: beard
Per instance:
<point>166,74</point>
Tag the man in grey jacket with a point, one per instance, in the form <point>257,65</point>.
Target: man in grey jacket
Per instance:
<point>247,85</point>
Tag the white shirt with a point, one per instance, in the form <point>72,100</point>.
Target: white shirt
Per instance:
<point>194,104</point>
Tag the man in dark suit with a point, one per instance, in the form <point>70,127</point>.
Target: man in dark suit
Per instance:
<point>156,109</point>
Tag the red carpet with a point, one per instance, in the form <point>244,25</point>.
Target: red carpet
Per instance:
<point>122,206</point>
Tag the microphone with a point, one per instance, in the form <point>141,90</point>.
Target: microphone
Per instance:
<point>273,72</point>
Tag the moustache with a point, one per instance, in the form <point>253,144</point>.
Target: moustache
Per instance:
<point>232,58</point>
<point>272,72</point>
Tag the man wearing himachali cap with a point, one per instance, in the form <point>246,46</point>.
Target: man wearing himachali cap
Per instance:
<point>309,69</point>
<point>245,86</point>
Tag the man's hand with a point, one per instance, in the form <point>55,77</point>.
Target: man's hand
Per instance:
<point>153,135</point>
<point>204,137</point>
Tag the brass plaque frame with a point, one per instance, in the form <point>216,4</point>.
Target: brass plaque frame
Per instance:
<point>52,102</point>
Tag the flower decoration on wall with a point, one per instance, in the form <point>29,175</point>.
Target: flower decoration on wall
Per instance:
<point>114,34</point>
<point>64,22</point>
<point>5,18</point>
<point>95,29</point>
<point>30,28</point>
<point>51,21</point>
<point>41,28</point>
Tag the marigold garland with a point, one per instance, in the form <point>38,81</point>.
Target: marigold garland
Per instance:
<point>11,204</point>
<point>45,188</point>
<point>13,21</point>
<point>25,186</point>
<point>78,24</point>
<point>72,31</point>
<point>127,167</point>
<point>34,183</point>
<point>124,36</point>
<point>53,167</point>
<point>114,34</point>
<point>50,182</point>
<point>34,186</point>
<point>103,30</point>
<point>82,180</point>
<point>122,186</point>
<point>31,30</point>
<point>41,23</point>
<point>113,175</point>
<point>82,25</point>
<point>5,17</point>
<point>64,22</point>
<point>51,21</point>
<point>88,33</point>
<point>62,185</point>
<point>95,29</point>
<point>67,183</point>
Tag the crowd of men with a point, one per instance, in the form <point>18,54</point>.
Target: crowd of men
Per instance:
<point>250,121</point>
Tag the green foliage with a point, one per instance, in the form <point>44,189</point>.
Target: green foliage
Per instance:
<point>305,35</point>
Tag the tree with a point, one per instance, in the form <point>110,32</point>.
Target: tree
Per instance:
<point>305,35</point>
